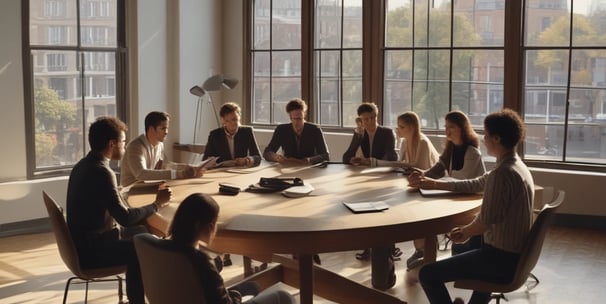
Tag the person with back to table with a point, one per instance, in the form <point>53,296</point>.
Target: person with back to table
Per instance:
<point>94,205</point>
<point>461,159</point>
<point>301,142</point>
<point>144,158</point>
<point>504,221</point>
<point>195,221</point>
<point>233,144</point>
<point>377,142</point>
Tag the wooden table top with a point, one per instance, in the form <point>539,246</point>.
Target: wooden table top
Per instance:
<point>272,223</point>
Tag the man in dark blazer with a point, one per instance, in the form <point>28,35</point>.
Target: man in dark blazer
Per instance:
<point>235,145</point>
<point>382,138</point>
<point>301,142</point>
<point>94,205</point>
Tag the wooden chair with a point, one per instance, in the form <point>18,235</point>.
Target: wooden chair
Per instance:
<point>169,275</point>
<point>528,258</point>
<point>67,250</point>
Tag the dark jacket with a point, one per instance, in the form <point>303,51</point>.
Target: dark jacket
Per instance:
<point>311,144</point>
<point>383,145</point>
<point>245,145</point>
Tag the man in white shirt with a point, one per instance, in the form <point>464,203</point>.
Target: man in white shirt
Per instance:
<point>144,158</point>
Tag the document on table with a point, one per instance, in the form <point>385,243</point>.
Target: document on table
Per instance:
<point>364,207</point>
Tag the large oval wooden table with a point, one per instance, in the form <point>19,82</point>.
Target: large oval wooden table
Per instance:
<point>270,224</point>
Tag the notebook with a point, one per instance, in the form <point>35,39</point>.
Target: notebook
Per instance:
<point>365,207</point>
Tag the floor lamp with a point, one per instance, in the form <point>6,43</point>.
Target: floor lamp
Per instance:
<point>197,91</point>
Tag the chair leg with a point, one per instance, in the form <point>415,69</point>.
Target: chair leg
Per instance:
<point>498,297</point>
<point>531,285</point>
<point>69,281</point>
<point>120,293</point>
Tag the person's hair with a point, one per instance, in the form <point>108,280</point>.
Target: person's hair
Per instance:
<point>229,107</point>
<point>468,135</point>
<point>506,124</point>
<point>412,119</point>
<point>154,119</point>
<point>193,214</point>
<point>296,104</point>
<point>103,130</point>
<point>368,107</point>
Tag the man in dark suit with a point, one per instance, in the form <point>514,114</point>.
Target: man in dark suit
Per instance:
<point>301,142</point>
<point>235,145</point>
<point>94,205</point>
<point>376,141</point>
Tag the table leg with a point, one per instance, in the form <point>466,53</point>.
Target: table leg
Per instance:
<point>306,279</point>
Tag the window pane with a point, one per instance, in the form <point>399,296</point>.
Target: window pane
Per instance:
<point>398,23</point>
<point>286,24</point>
<point>328,65</point>
<point>261,87</point>
<point>547,67</point>
<point>261,33</point>
<point>479,23</point>
<point>352,85</point>
<point>285,83</point>
<point>352,24</point>
<point>398,85</point>
<point>52,22</point>
<point>57,127</point>
<point>98,23</point>
<point>543,142</point>
<point>328,23</point>
<point>436,16</point>
<point>477,87</point>
<point>547,23</point>
<point>586,138</point>
<point>588,24</point>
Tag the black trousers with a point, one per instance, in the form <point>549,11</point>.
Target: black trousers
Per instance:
<point>109,250</point>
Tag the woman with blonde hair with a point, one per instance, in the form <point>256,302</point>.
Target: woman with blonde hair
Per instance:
<point>416,150</point>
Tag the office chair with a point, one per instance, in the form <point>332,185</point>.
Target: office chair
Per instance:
<point>169,276</point>
<point>528,258</point>
<point>67,250</point>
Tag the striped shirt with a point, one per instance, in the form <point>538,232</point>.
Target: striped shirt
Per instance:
<point>507,203</point>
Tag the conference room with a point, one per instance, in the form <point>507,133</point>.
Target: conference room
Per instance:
<point>334,55</point>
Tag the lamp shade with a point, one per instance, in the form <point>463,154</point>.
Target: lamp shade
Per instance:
<point>216,82</point>
<point>197,90</point>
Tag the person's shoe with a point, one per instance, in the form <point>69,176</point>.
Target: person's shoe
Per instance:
<point>458,301</point>
<point>364,255</point>
<point>227,260</point>
<point>416,259</point>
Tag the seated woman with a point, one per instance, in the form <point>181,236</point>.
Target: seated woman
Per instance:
<point>195,221</point>
<point>301,142</point>
<point>235,145</point>
<point>461,159</point>
<point>416,150</point>
<point>504,220</point>
<point>376,142</point>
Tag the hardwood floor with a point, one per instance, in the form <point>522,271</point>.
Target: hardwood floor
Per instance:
<point>570,270</point>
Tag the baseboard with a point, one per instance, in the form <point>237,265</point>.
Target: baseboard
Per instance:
<point>25,227</point>
<point>593,222</point>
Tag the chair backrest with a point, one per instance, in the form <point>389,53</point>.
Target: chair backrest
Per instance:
<point>169,273</point>
<point>534,242</point>
<point>65,243</point>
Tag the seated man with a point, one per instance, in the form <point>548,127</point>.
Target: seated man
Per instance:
<point>235,145</point>
<point>94,204</point>
<point>301,141</point>
<point>504,220</point>
<point>144,159</point>
<point>377,142</point>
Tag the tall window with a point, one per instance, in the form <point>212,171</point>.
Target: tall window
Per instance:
<point>276,58</point>
<point>76,74</point>
<point>565,83</point>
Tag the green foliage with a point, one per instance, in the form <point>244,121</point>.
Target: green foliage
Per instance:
<point>50,111</point>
